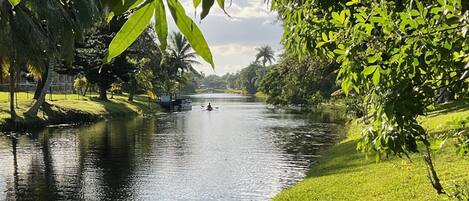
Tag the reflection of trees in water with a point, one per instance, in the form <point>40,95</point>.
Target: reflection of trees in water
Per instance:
<point>37,182</point>
<point>171,140</point>
<point>305,142</point>
<point>55,164</point>
<point>115,148</point>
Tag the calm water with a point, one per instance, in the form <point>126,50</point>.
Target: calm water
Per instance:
<point>240,151</point>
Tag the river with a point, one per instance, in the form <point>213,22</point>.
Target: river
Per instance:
<point>242,150</point>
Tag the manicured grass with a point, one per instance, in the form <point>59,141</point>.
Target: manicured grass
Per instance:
<point>261,96</point>
<point>118,106</point>
<point>345,174</point>
<point>233,91</point>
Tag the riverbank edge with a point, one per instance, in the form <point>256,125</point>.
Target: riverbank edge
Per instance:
<point>343,173</point>
<point>57,113</point>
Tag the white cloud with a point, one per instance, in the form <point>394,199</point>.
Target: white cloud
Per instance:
<point>233,40</point>
<point>231,58</point>
<point>240,9</point>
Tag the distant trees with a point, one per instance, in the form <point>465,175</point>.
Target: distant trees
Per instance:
<point>250,76</point>
<point>214,82</point>
<point>305,82</point>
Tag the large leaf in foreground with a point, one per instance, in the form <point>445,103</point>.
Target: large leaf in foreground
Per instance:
<point>190,31</point>
<point>14,2</point>
<point>130,31</point>
<point>161,25</point>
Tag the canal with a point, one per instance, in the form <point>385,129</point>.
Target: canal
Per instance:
<point>242,150</point>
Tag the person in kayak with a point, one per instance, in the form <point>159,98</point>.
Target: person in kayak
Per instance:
<point>209,107</point>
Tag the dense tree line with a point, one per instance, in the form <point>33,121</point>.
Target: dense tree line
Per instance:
<point>294,82</point>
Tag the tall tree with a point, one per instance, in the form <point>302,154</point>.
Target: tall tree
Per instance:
<point>181,54</point>
<point>266,54</point>
<point>396,54</point>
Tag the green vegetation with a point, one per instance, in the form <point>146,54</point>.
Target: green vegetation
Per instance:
<point>305,83</point>
<point>397,59</point>
<point>345,174</point>
<point>246,81</point>
<point>55,29</point>
<point>87,108</point>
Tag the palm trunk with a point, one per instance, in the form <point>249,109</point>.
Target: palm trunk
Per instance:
<point>42,95</point>
<point>133,85</point>
<point>12,72</point>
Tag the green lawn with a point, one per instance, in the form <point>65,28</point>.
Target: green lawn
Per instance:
<point>118,106</point>
<point>345,174</point>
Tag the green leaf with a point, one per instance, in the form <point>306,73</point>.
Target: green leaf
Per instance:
<point>369,70</point>
<point>337,17</point>
<point>339,52</point>
<point>130,31</point>
<point>346,86</point>
<point>191,31</point>
<point>14,2</point>
<point>221,4</point>
<point>197,3</point>
<point>324,37</point>
<point>119,7</point>
<point>452,74</point>
<point>376,77</point>
<point>161,25</point>
<point>372,59</point>
<point>206,5</point>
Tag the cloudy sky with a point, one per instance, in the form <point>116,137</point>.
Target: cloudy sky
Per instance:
<point>233,40</point>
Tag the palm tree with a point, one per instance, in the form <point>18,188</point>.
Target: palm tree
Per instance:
<point>38,33</point>
<point>181,55</point>
<point>21,42</point>
<point>266,54</point>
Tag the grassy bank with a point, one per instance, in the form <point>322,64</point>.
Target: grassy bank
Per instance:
<point>345,174</point>
<point>73,109</point>
<point>226,91</point>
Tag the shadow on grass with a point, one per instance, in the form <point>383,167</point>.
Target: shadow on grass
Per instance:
<point>341,158</point>
<point>450,107</point>
<point>115,109</point>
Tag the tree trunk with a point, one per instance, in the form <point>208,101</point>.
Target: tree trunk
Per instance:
<point>42,95</point>
<point>40,85</point>
<point>12,72</point>
<point>86,89</point>
<point>132,91</point>
<point>431,172</point>
<point>102,93</point>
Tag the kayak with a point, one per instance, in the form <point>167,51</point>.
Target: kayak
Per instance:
<point>209,109</point>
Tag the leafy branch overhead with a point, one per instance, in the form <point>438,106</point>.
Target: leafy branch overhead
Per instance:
<point>141,13</point>
<point>398,55</point>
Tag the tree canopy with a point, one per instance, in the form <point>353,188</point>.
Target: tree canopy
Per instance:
<point>397,54</point>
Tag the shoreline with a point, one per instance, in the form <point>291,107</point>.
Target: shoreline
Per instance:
<point>76,111</point>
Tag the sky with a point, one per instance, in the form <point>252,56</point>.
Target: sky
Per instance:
<point>233,40</point>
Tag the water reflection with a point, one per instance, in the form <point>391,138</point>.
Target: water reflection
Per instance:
<point>242,151</point>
